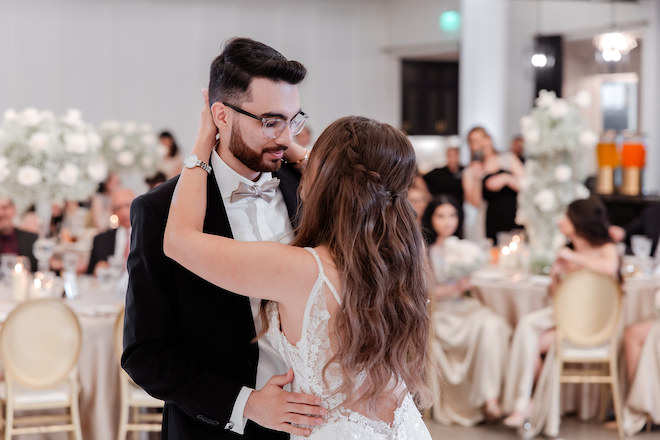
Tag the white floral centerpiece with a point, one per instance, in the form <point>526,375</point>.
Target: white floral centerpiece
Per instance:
<point>45,159</point>
<point>461,258</point>
<point>129,147</point>
<point>555,140</point>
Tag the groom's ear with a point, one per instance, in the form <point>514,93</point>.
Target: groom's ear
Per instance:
<point>220,115</point>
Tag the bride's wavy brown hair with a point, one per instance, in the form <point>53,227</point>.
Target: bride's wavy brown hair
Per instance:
<point>355,204</point>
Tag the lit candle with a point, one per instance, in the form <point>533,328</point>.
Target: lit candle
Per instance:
<point>19,283</point>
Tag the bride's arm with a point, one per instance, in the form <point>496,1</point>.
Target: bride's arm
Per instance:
<point>258,269</point>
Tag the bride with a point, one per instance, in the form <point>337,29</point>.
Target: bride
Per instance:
<point>347,303</point>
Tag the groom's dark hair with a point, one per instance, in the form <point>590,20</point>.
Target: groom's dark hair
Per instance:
<point>243,59</point>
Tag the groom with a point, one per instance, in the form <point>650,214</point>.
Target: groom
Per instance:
<point>187,341</point>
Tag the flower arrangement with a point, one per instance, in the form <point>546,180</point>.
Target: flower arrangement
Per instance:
<point>461,258</point>
<point>555,139</point>
<point>48,158</point>
<point>130,147</point>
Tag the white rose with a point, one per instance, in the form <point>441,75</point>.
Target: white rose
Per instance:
<point>521,218</point>
<point>558,241</point>
<point>117,142</point>
<point>563,173</point>
<point>69,174</point>
<point>527,122</point>
<point>4,169</point>
<point>98,171</point>
<point>73,117</point>
<point>581,191</point>
<point>125,158</point>
<point>130,127</point>
<point>47,115</point>
<point>545,200</point>
<point>30,116</point>
<point>76,143</point>
<point>94,141</point>
<point>147,162</point>
<point>582,99</point>
<point>546,99</point>
<point>28,176</point>
<point>145,127</point>
<point>39,141</point>
<point>10,115</point>
<point>111,126</point>
<point>148,139</point>
<point>588,139</point>
<point>558,109</point>
<point>531,136</point>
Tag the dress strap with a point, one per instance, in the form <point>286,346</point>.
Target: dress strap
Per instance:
<point>322,274</point>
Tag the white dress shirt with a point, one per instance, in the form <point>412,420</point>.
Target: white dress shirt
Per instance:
<point>253,219</point>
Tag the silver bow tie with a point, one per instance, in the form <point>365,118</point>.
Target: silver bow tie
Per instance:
<point>266,191</point>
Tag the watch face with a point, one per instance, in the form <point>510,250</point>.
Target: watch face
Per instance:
<point>191,161</point>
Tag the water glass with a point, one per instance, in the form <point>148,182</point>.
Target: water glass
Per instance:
<point>641,246</point>
<point>70,261</point>
<point>7,263</point>
<point>104,276</point>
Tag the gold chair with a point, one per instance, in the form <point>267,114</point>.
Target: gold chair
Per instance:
<point>587,307</point>
<point>133,398</point>
<point>40,346</point>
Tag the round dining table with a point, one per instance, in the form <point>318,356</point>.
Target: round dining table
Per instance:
<point>513,295</point>
<point>96,307</point>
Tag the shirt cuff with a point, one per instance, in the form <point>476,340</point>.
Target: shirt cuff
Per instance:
<point>237,421</point>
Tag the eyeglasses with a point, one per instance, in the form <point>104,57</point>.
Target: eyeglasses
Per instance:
<point>273,127</point>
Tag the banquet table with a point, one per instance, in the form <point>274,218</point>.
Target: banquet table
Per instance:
<point>513,295</point>
<point>97,308</point>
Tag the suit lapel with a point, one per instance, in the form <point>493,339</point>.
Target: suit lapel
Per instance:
<point>216,220</point>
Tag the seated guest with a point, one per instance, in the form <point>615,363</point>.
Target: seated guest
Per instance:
<point>586,227</point>
<point>155,180</point>
<point>114,241</point>
<point>641,344</point>
<point>14,240</point>
<point>470,342</point>
<point>418,197</point>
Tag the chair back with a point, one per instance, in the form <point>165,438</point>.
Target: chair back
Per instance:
<point>587,306</point>
<point>119,335</point>
<point>40,343</point>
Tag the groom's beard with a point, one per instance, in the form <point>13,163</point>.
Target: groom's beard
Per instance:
<point>252,159</point>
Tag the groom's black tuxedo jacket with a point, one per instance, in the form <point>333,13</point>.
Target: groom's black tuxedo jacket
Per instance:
<point>187,341</point>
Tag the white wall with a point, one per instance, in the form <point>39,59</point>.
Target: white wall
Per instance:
<point>147,60</point>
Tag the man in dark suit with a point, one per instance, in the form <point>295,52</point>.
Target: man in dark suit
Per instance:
<point>186,341</point>
<point>648,224</point>
<point>12,239</point>
<point>113,241</point>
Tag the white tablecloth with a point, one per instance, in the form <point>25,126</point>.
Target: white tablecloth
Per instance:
<point>97,310</point>
<point>514,295</point>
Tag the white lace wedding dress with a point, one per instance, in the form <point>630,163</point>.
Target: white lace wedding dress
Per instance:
<point>309,356</point>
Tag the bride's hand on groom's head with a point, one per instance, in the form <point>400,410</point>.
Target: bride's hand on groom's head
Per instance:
<point>207,132</point>
<point>274,408</point>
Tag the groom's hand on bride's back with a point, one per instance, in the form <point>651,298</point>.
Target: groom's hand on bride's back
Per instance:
<point>275,408</point>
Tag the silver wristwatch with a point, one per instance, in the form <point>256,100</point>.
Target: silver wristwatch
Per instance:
<point>192,161</point>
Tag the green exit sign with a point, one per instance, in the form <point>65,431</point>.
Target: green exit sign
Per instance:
<point>450,21</point>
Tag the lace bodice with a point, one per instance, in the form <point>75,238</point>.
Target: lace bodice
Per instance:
<point>308,357</point>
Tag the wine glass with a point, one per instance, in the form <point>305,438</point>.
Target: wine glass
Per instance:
<point>7,263</point>
<point>641,246</point>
